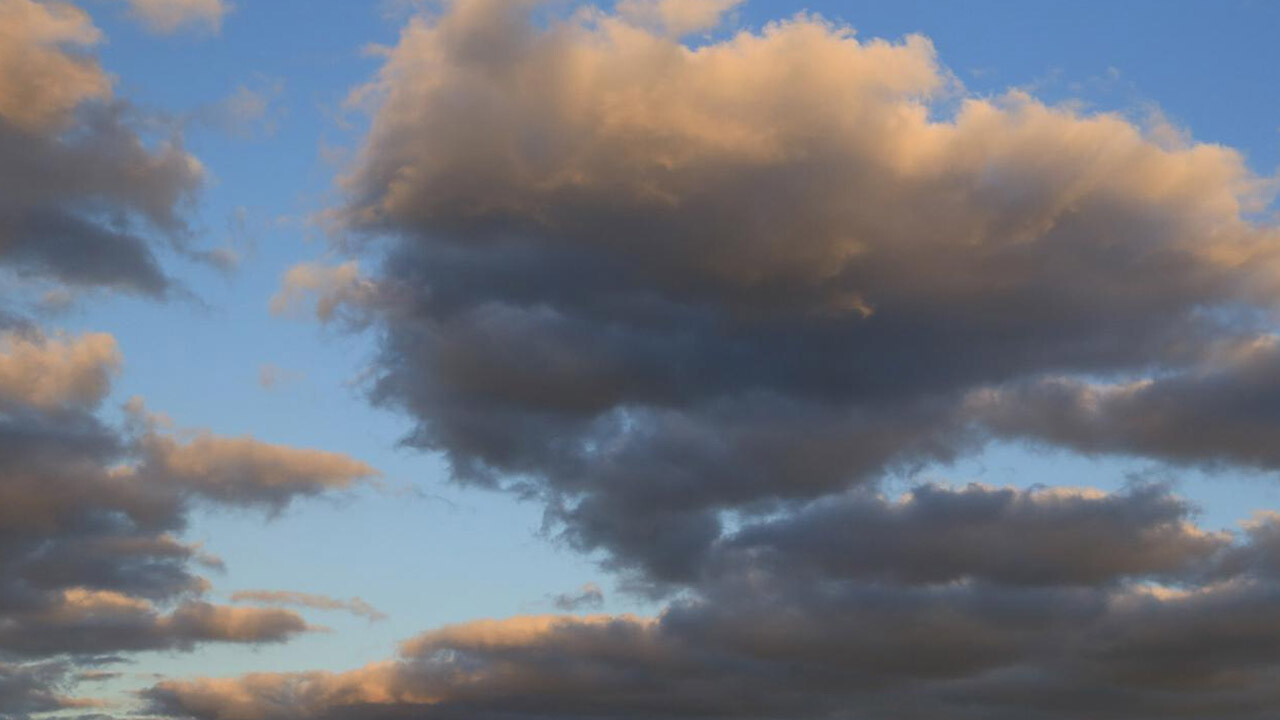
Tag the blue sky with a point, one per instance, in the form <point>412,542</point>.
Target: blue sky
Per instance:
<point>426,551</point>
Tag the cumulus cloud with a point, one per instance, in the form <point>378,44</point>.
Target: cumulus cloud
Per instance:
<point>701,300</point>
<point>1219,412</point>
<point>36,688</point>
<point>354,605</point>
<point>91,563</point>
<point>985,630</point>
<point>652,283</point>
<point>55,373</point>
<point>252,110</point>
<point>84,197</point>
<point>41,83</point>
<point>169,16</point>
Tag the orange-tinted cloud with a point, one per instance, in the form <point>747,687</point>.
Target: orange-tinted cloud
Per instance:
<point>85,200</point>
<point>169,16</point>
<point>354,605</point>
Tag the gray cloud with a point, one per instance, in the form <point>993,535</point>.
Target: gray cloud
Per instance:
<point>36,688</point>
<point>1060,536</point>
<point>587,597</point>
<point>85,197</point>
<point>91,563</point>
<point>963,635</point>
<point>650,284</point>
<point>1221,413</point>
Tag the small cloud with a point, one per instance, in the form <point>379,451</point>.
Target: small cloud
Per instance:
<point>252,110</point>
<point>271,376</point>
<point>355,605</point>
<point>165,17</point>
<point>587,597</point>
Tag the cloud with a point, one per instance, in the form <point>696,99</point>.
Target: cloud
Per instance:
<point>589,596</point>
<point>90,516</point>
<point>947,634</point>
<point>654,284</point>
<point>84,197</point>
<point>166,17</point>
<point>245,471</point>
<point>1058,536</point>
<point>1218,413</point>
<point>355,605</point>
<point>36,688</point>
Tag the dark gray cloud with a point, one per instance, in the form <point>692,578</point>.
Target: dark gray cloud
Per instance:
<point>1220,413</point>
<point>86,197</point>
<point>35,688</point>
<point>979,631</point>
<point>1060,536</point>
<point>651,285</point>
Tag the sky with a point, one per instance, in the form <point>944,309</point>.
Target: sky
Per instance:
<point>659,358</point>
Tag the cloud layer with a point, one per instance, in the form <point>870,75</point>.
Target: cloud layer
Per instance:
<point>947,603</point>
<point>652,284</point>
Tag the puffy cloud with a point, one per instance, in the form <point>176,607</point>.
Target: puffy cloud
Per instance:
<point>976,631</point>
<point>36,688</point>
<point>245,471</point>
<point>338,291</point>
<point>701,300</point>
<point>90,560</point>
<point>653,283</point>
<point>55,373</point>
<point>169,16</point>
<point>92,622</point>
<point>355,605</point>
<point>1220,412</point>
<point>84,197</point>
<point>934,534</point>
<point>41,83</point>
<point>589,596</point>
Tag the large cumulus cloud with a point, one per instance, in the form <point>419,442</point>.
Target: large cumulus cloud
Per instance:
<point>86,197</point>
<point>651,283</point>
<point>975,602</point>
<point>700,300</point>
<point>91,560</point>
